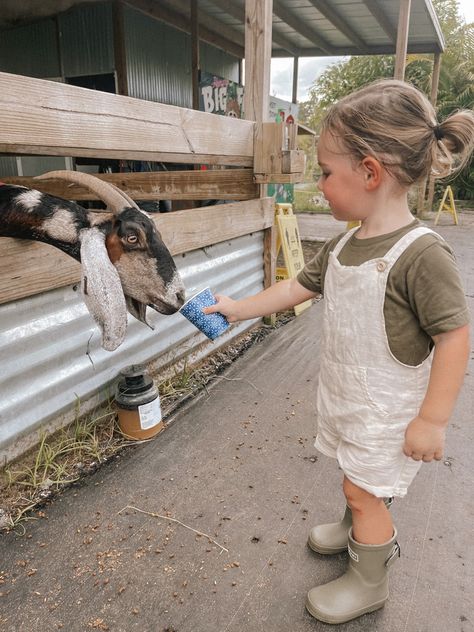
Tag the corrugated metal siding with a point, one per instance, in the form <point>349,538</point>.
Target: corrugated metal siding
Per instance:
<point>8,166</point>
<point>30,50</point>
<point>50,350</point>
<point>159,60</point>
<point>218,62</point>
<point>87,40</point>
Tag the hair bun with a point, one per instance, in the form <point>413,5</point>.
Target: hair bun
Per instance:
<point>438,132</point>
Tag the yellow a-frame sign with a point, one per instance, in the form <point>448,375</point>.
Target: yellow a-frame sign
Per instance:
<point>288,239</point>
<point>448,208</point>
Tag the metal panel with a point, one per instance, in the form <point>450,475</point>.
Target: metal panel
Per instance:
<point>50,350</point>
<point>8,166</point>
<point>218,62</point>
<point>31,50</point>
<point>159,60</point>
<point>87,40</point>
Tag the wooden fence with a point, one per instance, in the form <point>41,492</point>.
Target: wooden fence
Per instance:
<point>39,117</point>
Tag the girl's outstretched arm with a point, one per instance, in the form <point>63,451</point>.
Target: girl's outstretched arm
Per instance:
<point>276,298</point>
<point>425,435</point>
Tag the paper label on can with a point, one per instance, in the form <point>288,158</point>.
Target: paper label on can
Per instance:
<point>150,414</point>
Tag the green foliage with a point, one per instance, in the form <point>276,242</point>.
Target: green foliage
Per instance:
<point>456,85</point>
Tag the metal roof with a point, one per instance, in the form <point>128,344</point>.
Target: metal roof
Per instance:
<point>301,28</point>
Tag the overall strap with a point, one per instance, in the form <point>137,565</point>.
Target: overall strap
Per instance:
<point>404,242</point>
<point>343,241</point>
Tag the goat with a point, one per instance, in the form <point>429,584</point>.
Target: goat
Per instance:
<point>124,261</point>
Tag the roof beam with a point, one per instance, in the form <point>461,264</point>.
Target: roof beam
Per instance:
<point>300,27</point>
<point>183,23</point>
<point>238,13</point>
<point>325,8</point>
<point>284,43</point>
<point>343,51</point>
<point>376,10</point>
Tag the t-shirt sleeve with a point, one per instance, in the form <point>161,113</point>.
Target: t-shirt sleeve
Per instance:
<point>435,290</point>
<point>311,276</point>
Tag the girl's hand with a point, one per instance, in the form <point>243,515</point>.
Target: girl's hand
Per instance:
<point>424,440</point>
<point>224,305</point>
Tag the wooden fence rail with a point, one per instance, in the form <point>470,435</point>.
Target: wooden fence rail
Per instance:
<point>48,118</point>
<point>218,184</point>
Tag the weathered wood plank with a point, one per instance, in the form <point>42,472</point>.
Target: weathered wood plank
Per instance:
<point>279,178</point>
<point>258,52</point>
<point>45,117</point>
<point>28,268</point>
<point>215,184</point>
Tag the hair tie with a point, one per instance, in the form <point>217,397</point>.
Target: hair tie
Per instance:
<point>438,132</point>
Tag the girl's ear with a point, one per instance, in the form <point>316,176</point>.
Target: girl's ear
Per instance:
<point>372,170</point>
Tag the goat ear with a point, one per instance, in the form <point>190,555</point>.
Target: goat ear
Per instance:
<point>102,289</point>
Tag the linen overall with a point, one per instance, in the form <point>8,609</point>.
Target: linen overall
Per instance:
<point>366,397</point>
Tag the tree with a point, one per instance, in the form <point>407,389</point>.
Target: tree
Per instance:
<point>456,86</point>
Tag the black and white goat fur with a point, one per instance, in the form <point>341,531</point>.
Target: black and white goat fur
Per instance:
<point>125,263</point>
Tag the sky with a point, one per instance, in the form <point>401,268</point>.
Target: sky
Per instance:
<point>311,67</point>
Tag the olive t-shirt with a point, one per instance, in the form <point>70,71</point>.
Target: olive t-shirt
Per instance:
<point>424,295</point>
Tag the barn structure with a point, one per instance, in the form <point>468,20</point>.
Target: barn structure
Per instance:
<point>143,58</point>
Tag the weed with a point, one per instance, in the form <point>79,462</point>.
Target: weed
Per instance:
<point>58,461</point>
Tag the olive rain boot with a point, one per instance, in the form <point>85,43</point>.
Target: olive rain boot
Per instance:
<point>331,538</point>
<point>363,588</point>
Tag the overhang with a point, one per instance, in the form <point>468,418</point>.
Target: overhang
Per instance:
<point>301,28</point>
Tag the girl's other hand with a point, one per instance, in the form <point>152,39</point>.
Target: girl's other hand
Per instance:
<point>224,305</point>
<point>424,440</point>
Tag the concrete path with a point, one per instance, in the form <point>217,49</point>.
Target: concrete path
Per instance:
<point>238,464</point>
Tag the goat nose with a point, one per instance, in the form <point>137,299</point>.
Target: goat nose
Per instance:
<point>180,296</point>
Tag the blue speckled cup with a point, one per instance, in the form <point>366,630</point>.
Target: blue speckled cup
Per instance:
<point>213,325</point>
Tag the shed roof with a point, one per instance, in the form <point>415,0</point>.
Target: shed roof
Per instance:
<point>301,28</point>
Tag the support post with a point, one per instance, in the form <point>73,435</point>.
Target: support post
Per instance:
<point>433,98</point>
<point>195,61</point>
<point>402,39</point>
<point>294,98</point>
<point>258,50</point>
<point>120,58</point>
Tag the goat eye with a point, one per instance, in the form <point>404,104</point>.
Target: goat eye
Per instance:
<point>132,239</point>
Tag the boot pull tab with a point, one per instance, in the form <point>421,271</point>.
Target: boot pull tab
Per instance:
<point>394,554</point>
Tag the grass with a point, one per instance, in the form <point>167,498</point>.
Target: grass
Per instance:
<point>62,459</point>
<point>308,199</point>
<point>58,461</point>
<point>462,205</point>
<point>66,456</point>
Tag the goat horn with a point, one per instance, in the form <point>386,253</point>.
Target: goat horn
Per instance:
<point>108,193</point>
<point>125,196</point>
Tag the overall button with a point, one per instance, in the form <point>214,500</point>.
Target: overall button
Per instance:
<point>381,265</point>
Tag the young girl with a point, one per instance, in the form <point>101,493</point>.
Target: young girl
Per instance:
<point>395,327</point>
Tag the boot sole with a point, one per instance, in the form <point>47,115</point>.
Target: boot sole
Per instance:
<point>325,550</point>
<point>327,618</point>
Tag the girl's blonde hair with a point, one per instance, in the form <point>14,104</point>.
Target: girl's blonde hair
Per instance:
<point>396,124</point>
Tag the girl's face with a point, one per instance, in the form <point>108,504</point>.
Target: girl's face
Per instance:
<point>341,181</point>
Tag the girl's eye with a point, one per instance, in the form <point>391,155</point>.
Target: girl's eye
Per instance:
<point>132,239</point>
